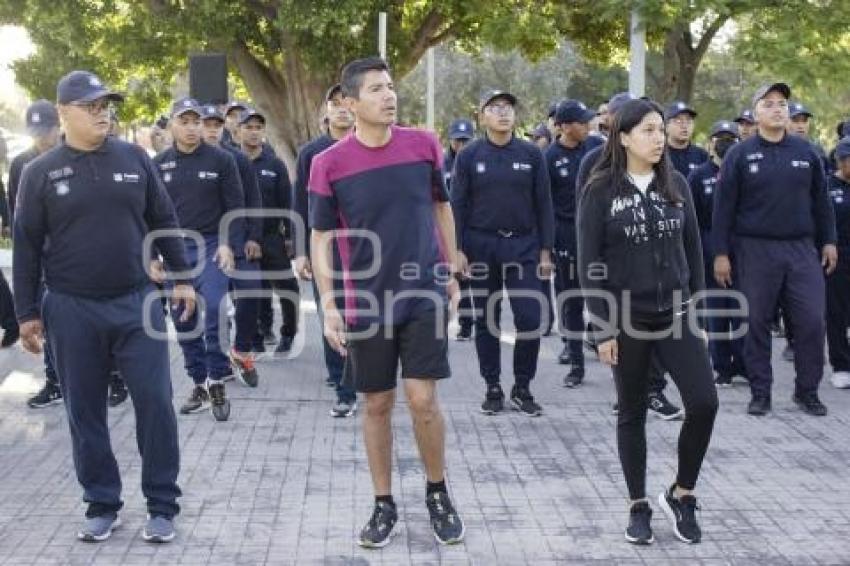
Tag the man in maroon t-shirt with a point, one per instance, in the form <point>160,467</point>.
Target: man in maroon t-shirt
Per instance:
<point>380,193</point>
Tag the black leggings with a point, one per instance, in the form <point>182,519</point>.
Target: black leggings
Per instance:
<point>686,358</point>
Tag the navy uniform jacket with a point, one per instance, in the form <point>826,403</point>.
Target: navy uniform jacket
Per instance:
<point>703,186</point>
<point>772,190</point>
<point>687,159</point>
<point>839,194</point>
<point>502,188</point>
<point>300,197</point>
<point>563,164</point>
<point>586,166</point>
<point>253,198</point>
<point>82,218</point>
<point>15,170</point>
<point>204,186</point>
<point>448,164</point>
<point>273,179</point>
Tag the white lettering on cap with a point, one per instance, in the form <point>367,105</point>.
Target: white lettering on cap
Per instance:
<point>94,82</point>
<point>187,103</point>
<point>210,109</point>
<point>681,105</point>
<point>36,117</point>
<point>461,127</point>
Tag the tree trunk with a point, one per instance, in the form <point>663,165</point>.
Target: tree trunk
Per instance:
<point>681,59</point>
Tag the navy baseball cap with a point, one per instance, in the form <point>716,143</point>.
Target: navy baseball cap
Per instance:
<point>746,115</point>
<point>492,95</point>
<point>333,91</point>
<point>797,109</point>
<point>573,111</point>
<point>234,105</point>
<point>41,117</point>
<point>183,105</point>
<point>249,113</point>
<point>211,112</point>
<point>679,107</point>
<point>764,89</point>
<point>540,131</point>
<point>553,108</point>
<point>842,150</point>
<point>618,100</point>
<point>724,127</point>
<point>83,86</point>
<point>461,129</point>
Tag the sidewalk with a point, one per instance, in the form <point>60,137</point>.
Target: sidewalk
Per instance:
<point>283,483</point>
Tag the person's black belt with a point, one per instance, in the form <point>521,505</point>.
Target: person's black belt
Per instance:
<point>503,232</point>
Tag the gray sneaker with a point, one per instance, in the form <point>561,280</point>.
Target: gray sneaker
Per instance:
<point>98,529</point>
<point>343,409</point>
<point>158,529</point>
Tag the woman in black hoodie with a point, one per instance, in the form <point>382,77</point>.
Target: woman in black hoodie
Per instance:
<point>640,262</point>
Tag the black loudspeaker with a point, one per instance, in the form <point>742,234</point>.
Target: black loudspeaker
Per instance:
<point>208,78</point>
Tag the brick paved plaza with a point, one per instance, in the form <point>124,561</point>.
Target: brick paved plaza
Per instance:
<point>283,483</point>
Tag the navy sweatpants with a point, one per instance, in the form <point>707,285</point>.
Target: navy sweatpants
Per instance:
<point>770,271</point>
<point>571,315</point>
<point>246,307</point>
<point>85,336</point>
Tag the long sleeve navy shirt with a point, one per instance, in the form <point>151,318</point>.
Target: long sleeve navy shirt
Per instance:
<point>82,219</point>
<point>563,164</point>
<point>15,170</point>
<point>253,198</point>
<point>502,188</point>
<point>839,194</point>
<point>585,167</point>
<point>300,197</point>
<point>773,191</point>
<point>275,188</point>
<point>204,185</point>
<point>687,159</point>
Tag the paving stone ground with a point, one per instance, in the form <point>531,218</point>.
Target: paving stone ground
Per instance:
<point>283,483</point>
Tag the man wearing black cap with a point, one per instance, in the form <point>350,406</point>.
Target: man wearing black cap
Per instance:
<point>461,131</point>
<point>801,125</point>
<point>773,202</point>
<point>541,136</point>
<point>204,185</point>
<point>232,113</point>
<point>727,354</point>
<point>340,121</point>
<point>503,213</point>
<point>592,156</point>
<point>680,129</point>
<point>746,124</point>
<point>562,159</point>
<point>838,284</point>
<point>276,191</point>
<point>95,198</point>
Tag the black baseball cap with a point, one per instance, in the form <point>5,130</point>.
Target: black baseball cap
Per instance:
<point>746,115</point>
<point>842,150</point>
<point>333,91</point>
<point>492,95</point>
<point>797,109</point>
<point>540,131</point>
<point>249,113</point>
<point>461,129</point>
<point>724,127</point>
<point>83,86</point>
<point>211,112</point>
<point>679,107</point>
<point>41,117</point>
<point>570,111</point>
<point>766,88</point>
<point>234,105</point>
<point>618,100</point>
<point>183,105</point>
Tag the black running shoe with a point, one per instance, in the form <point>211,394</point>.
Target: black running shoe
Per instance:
<point>575,377</point>
<point>788,353</point>
<point>723,380</point>
<point>663,408</point>
<point>565,356</point>
<point>379,529</point>
<point>810,404</point>
<point>447,524</point>
<point>494,401</point>
<point>10,336</point>
<point>219,404</point>
<point>464,334</point>
<point>50,394</point>
<point>198,400</point>
<point>615,408</point>
<point>285,345</point>
<point>682,513</point>
<point>523,401</point>
<point>759,405</point>
<point>639,530</point>
<point>117,390</point>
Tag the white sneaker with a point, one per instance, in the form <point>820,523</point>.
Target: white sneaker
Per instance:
<point>841,379</point>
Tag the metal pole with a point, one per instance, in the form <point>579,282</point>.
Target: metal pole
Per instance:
<point>382,35</point>
<point>637,51</point>
<point>431,90</point>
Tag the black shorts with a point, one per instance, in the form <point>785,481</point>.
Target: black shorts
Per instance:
<point>421,343</point>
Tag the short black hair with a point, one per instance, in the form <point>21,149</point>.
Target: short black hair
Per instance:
<point>351,80</point>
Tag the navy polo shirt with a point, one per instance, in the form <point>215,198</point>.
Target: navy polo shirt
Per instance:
<point>300,198</point>
<point>82,218</point>
<point>563,164</point>
<point>204,186</point>
<point>503,188</point>
<point>687,159</point>
<point>839,194</point>
<point>772,190</point>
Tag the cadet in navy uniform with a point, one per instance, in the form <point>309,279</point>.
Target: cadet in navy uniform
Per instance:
<point>562,159</point>
<point>773,200</point>
<point>340,121</point>
<point>541,136</point>
<point>838,284</point>
<point>276,190</point>
<point>801,125</point>
<point>461,132</point>
<point>94,198</point>
<point>204,185</point>
<point>746,124</point>
<point>246,258</point>
<point>680,129</point>
<point>503,211</point>
<point>727,355</point>
<point>232,113</point>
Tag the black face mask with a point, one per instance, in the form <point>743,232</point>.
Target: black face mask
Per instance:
<point>722,145</point>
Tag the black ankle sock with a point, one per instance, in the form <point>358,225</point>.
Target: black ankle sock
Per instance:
<point>385,499</point>
<point>434,487</point>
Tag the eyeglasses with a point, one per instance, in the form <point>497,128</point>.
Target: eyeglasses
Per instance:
<point>499,109</point>
<point>95,107</point>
